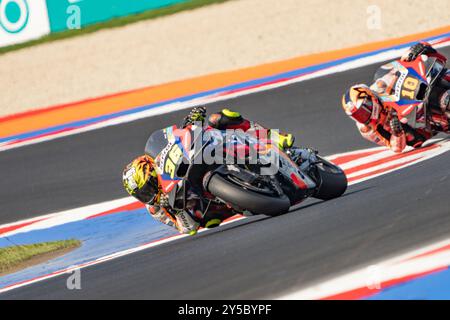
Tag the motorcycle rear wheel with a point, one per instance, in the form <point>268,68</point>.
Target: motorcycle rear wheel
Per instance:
<point>244,199</point>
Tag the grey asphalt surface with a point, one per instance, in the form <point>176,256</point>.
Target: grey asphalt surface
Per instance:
<point>255,258</point>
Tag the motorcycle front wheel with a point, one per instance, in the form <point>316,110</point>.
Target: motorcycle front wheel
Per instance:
<point>331,180</point>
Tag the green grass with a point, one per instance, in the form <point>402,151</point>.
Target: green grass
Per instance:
<point>114,23</point>
<point>16,256</point>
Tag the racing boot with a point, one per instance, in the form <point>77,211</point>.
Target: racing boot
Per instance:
<point>213,223</point>
<point>284,141</point>
<point>185,223</point>
<point>227,119</point>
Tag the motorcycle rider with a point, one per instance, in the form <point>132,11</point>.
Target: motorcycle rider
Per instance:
<point>375,123</point>
<point>140,178</point>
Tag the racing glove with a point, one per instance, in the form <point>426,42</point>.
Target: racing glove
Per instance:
<point>395,125</point>
<point>419,49</point>
<point>164,200</point>
<point>197,114</point>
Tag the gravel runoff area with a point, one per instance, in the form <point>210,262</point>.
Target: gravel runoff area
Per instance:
<point>226,36</point>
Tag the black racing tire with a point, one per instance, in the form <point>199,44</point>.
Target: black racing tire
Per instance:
<point>332,181</point>
<point>240,198</point>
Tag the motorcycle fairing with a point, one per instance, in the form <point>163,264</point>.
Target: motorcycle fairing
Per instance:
<point>170,145</point>
<point>410,78</point>
<point>407,92</point>
<point>289,169</point>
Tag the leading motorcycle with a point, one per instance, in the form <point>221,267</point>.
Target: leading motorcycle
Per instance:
<point>250,177</point>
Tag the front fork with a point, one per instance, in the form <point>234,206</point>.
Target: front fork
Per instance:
<point>303,157</point>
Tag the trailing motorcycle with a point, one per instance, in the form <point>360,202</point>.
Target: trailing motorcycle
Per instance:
<point>417,92</point>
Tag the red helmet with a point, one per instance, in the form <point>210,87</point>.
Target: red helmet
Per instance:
<point>361,104</point>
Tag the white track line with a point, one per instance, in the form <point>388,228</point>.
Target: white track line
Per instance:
<point>390,269</point>
<point>107,258</point>
<point>415,158</point>
<point>63,217</point>
<point>361,161</point>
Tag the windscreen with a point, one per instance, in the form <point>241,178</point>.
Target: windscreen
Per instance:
<point>156,143</point>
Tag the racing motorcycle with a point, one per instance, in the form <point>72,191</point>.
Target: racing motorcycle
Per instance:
<point>259,179</point>
<point>416,93</point>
